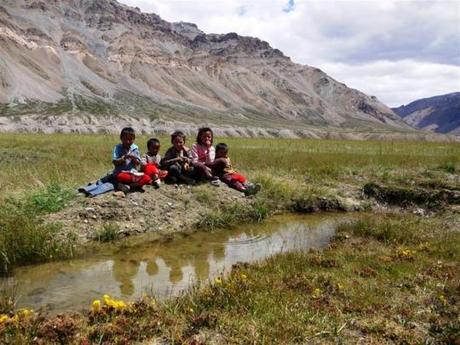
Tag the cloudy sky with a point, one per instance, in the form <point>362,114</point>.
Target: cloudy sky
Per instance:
<point>398,51</point>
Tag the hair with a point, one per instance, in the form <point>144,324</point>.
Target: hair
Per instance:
<point>127,131</point>
<point>177,134</point>
<point>152,141</point>
<point>201,131</point>
<point>222,146</point>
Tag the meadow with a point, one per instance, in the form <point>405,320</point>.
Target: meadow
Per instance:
<point>388,278</point>
<point>33,161</point>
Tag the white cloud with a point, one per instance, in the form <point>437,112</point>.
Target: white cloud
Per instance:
<point>354,41</point>
<point>414,79</point>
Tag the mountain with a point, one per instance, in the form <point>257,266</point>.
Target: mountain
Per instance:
<point>440,113</point>
<point>97,65</point>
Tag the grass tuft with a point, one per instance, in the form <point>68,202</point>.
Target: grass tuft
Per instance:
<point>109,232</point>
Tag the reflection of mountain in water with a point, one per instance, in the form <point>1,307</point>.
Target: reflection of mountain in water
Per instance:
<point>165,269</point>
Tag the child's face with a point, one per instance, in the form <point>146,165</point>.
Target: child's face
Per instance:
<point>206,138</point>
<point>127,140</point>
<point>178,143</point>
<point>221,153</point>
<point>154,148</point>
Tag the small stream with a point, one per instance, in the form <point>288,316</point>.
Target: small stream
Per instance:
<point>127,269</point>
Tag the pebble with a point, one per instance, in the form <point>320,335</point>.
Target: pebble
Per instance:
<point>90,209</point>
<point>169,204</point>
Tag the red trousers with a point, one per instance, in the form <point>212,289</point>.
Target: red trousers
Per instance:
<point>154,172</point>
<point>131,179</point>
<point>235,180</point>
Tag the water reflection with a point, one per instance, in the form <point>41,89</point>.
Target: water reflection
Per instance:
<point>165,269</point>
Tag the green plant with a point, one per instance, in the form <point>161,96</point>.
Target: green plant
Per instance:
<point>25,238</point>
<point>108,232</point>
<point>51,199</point>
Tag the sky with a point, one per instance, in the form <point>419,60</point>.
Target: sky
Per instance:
<point>396,50</point>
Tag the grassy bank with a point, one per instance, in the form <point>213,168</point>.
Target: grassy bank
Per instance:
<point>373,284</point>
<point>39,173</point>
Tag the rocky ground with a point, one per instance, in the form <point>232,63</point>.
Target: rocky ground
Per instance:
<point>172,208</point>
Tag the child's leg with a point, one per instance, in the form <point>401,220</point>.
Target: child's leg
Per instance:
<point>151,170</point>
<point>174,171</point>
<point>124,177</point>
<point>235,184</point>
<point>239,178</point>
<point>202,171</point>
<point>132,180</point>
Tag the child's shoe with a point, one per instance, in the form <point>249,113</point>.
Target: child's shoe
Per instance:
<point>156,184</point>
<point>215,181</point>
<point>252,189</point>
<point>189,181</point>
<point>123,187</point>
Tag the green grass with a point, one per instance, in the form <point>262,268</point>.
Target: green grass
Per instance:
<point>30,161</point>
<point>108,232</point>
<point>24,237</point>
<point>234,214</point>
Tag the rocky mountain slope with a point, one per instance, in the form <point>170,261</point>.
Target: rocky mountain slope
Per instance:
<point>87,65</point>
<point>440,113</point>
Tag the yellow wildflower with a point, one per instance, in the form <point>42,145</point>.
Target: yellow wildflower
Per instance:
<point>244,276</point>
<point>316,293</point>
<point>406,253</point>
<point>443,299</point>
<point>96,306</point>
<point>25,312</point>
<point>191,310</point>
<point>218,280</point>
<point>3,318</point>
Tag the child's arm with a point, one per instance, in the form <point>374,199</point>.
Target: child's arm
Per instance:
<point>117,157</point>
<point>170,158</point>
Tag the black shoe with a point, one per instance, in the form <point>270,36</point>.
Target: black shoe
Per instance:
<point>252,189</point>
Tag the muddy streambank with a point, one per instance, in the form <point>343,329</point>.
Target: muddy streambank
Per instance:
<point>180,208</point>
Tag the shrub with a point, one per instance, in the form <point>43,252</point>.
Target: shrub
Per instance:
<point>51,199</point>
<point>24,238</point>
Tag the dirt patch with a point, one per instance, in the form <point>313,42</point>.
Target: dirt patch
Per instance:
<point>172,208</point>
<point>408,195</point>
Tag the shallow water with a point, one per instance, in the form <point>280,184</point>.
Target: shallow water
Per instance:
<point>164,268</point>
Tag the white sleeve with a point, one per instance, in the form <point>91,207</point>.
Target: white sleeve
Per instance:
<point>194,153</point>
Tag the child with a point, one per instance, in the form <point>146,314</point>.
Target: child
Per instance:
<point>222,167</point>
<point>177,160</point>
<point>151,162</point>
<point>203,155</point>
<point>125,158</point>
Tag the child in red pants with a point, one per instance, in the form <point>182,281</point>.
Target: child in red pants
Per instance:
<point>125,158</point>
<point>222,167</point>
<point>151,163</point>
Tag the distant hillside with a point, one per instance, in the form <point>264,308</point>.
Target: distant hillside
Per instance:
<point>96,65</point>
<point>440,113</point>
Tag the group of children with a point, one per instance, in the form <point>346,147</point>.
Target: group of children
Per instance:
<point>202,162</point>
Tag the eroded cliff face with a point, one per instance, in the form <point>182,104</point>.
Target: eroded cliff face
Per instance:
<point>75,58</point>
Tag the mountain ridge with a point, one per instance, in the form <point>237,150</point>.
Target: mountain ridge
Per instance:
<point>83,57</point>
<point>440,114</point>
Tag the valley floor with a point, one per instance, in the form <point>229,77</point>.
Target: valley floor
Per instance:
<point>388,278</point>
